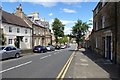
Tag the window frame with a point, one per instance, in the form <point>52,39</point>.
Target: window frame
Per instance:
<point>26,31</point>
<point>10,29</point>
<point>18,30</point>
<point>9,41</point>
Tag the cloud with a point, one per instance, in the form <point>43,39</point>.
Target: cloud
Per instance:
<point>50,14</point>
<point>67,22</point>
<point>91,26</point>
<point>67,30</point>
<point>68,10</point>
<point>47,4</point>
<point>68,25</point>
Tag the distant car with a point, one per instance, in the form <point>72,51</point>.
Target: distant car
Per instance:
<point>57,47</point>
<point>63,46</point>
<point>50,48</point>
<point>9,51</point>
<point>39,49</point>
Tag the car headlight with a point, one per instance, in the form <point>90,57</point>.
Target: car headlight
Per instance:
<point>39,48</point>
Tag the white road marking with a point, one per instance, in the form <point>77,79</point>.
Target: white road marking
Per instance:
<point>15,67</point>
<point>49,55</point>
<point>83,60</point>
<point>43,57</point>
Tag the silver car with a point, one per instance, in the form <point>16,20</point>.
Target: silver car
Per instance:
<point>9,51</point>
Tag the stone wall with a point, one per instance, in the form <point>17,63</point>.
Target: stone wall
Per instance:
<point>118,34</point>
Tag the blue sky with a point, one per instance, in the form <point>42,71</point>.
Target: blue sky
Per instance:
<point>67,12</point>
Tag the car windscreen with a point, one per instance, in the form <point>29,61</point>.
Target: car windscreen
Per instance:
<point>1,48</point>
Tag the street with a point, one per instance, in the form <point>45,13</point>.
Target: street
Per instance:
<point>46,65</point>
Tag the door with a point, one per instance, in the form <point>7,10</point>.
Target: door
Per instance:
<point>103,44</point>
<point>109,47</point>
<point>18,42</point>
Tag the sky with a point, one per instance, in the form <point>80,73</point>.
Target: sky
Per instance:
<point>67,12</point>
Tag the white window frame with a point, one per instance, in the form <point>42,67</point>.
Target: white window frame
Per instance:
<point>103,21</point>
<point>9,41</point>
<point>10,29</point>
<point>26,39</point>
<point>38,31</point>
<point>26,31</point>
<point>18,30</point>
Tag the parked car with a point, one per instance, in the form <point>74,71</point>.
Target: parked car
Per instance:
<point>50,48</point>
<point>57,47</point>
<point>9,51</point>
<point>63,47</point>
<point>39,49</point>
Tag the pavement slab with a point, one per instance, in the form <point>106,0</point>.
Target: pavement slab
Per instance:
<point>86,64</point>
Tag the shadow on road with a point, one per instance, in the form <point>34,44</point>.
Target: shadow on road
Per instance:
<point>111,68</point>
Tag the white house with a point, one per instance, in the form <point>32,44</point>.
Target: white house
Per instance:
<point>16,31</point>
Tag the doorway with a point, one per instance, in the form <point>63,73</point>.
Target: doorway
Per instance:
<point>108,46</point>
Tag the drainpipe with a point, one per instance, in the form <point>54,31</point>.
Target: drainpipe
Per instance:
<point>32,34</point>
<point>116,32</point>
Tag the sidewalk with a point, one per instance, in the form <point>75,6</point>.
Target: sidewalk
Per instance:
<point>86,64</point>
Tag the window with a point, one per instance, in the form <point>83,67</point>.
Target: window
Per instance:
<point>8,48</point>
<point>10,29</point>
<point>103,21</point>
<point>96,25</point>
<point>38,31</point>
<point>10,41</point>
<point>13,48</point>
<point>34,31</point>
<point>26,40</point>
<point>18,30</point>
<point>25,31</point>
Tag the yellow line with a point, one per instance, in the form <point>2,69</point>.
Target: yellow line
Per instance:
<point>67,66</point>
<point>64,68</point>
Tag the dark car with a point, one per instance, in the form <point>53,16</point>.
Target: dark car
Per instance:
<point>39,49</point>
<point>9,51</point>
<point>57,47</point>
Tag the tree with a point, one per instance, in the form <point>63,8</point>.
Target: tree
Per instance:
<point>63,40</point>
<point>79,30</point>
<point>2,39</point>
<point>58,29</point>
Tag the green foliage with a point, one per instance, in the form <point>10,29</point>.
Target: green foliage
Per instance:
<point>79,30</point>
<point>58,29</point>
<point>2,39</point>
<point>63,40</point>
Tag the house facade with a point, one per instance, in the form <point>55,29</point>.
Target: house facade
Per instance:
<point>41,34</point>
<point>105,30</point>
<point>16,31</point>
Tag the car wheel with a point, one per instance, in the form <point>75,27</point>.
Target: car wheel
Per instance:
<point>17,55</point>
<point>42,51</point>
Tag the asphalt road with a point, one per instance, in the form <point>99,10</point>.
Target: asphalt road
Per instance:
<point>44,65</point>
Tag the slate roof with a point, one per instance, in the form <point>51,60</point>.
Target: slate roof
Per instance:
<point>13,19</point>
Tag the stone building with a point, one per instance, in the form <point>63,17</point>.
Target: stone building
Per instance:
<point>105,35</point>
<point>16,31</point>
<point>41,35</point>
